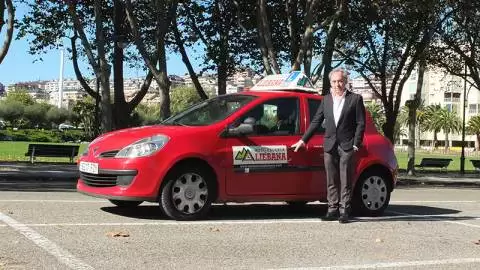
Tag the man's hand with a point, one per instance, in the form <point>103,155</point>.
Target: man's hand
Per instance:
<point>297,145</point>
<point>355,148</point>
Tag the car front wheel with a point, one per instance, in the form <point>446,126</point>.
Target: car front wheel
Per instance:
<point>187,193</point>
<point>372,195</point>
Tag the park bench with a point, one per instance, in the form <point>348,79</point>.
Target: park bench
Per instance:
<point>441,163</point>
<point>476,164</point>
<point>51,150</point>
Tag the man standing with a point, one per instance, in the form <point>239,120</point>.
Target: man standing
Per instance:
<point>344,115</point>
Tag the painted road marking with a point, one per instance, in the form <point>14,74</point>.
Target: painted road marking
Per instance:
<point>440,219</point>
<point>62,255</point>
<point>393,264</point>
<point>237,222</point>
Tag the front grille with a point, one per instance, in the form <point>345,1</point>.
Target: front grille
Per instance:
<point>98,180</point>
<point>109,154</point>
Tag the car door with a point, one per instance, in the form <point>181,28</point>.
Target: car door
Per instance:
<point>315,152</point>
<point>262,163</point>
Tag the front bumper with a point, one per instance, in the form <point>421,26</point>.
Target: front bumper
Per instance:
<point>124,179</point>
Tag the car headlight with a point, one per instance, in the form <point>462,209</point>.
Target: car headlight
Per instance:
<point>143,147</point>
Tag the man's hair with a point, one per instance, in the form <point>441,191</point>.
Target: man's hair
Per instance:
<point>342,70</point>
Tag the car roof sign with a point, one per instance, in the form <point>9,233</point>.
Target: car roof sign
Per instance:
<point>295,80</point>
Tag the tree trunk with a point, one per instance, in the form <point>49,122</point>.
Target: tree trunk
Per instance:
<point>186,61</point>
<point>307,36</point>
<point>121,116</point>
<point>389,125</point>
<point>291,9</point>
<point>412,115</point>
<point>478,141</point>
<point>104,69</point>
<point>446,142</point>
<point>11,20</point>
<point>435,140</point>
<point>163,81</point>
<point>222,77</point>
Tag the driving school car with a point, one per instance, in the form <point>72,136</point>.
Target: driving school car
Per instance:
<point>233,148</point>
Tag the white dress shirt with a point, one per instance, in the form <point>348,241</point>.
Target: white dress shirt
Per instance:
<point>338,102</point>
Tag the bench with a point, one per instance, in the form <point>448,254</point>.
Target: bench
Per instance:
<point>52,150</point>
<point>476,164</point>
<point>441,163</point>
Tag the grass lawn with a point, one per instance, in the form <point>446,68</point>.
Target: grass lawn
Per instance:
<point>402,158</point>
<point>15,151</point>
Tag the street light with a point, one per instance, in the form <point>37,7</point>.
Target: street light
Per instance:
<point>465,95</point>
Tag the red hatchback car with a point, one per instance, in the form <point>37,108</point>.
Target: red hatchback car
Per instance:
<point>232,148</point>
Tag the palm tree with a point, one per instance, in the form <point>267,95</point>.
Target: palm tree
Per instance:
<point>377,113</point>
<point>449,122</point>
<point>402,122</point>
<point>431,122</point>
<point>474,128</point>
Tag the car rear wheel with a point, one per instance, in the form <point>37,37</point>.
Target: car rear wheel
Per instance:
<point>371,195</point>
<point>187,193</point>
<point>126,204</point>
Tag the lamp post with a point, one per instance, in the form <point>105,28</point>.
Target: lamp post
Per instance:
<point>465,95</point>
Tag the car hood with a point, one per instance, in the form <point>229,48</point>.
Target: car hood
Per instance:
<point>118,139</point>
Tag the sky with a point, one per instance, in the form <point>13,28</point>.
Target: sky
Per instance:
<point>20,66</point>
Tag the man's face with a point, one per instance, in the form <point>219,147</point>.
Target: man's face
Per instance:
<point>337,83</point>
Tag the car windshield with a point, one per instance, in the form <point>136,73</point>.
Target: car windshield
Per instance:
<point>209,111</point>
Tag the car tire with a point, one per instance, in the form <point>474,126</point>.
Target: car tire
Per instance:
<point>371,195</point>
<point>126,204</point>
<point>188,193</point>
<point>297,203</point>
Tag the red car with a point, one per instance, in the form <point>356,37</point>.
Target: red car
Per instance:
<point>232,148</point>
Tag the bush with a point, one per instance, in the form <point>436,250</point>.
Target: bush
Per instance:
<point>38,135</point>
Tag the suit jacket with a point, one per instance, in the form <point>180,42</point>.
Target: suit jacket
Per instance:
<point>351,124</point>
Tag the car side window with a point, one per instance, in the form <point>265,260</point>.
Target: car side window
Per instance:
<point>275,117</point>
<point>313,105</point>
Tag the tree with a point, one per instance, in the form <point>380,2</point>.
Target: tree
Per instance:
<point>474,128</point>
<point>387,39</point>
<point>20,95</point>
<point>449,122</point>
<point>161,12</point>
<point>183,97</point>
<point>412,106</point>
<point>10,25</point>
<point>84,116</point>
<point>432,122</point>
<point>12,112</point>
<point>378,116</point>
<point>36,114</point>
<point>101,28</point>
<point>57,116</point>
<point>457,45</point>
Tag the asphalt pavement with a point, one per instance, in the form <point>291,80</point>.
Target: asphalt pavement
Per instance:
<point>67,173</point>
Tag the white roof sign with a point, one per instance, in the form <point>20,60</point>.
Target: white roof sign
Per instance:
<point>296,80</point>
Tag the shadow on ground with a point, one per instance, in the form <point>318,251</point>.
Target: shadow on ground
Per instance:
<point>285,212</point>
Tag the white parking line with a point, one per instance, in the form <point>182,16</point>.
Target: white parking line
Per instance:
<point>434,201</point>
<point>393,264</point>
<point>62,255</point>
<point>439,219</point>
<point>57,201</point>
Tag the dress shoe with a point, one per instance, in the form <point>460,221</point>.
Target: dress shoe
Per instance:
<point>331,215</point>
<point>343,218</point>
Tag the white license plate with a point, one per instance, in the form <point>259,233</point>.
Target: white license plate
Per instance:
<point>89,167</point>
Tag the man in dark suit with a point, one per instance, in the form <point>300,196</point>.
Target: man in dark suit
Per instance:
<point>344,115</point>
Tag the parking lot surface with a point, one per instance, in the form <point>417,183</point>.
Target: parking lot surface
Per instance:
<point>423,228</point>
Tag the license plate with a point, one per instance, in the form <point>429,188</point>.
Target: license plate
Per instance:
<point>89,167</point>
